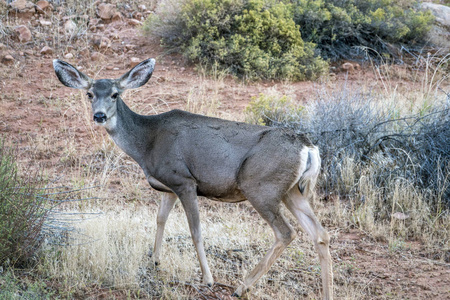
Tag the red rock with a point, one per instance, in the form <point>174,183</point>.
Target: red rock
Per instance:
<point>43,6</point>
<point>347,67</point>
<point>95,56</point>
<point>106,11</point>
<point>101,42</point>
<point>134,22</point>
<point>85,53</point>
<point>8,59</point>
<point>117,17</point>
<point>46,50</point>
<point>24,33</point>
<point>22,9</point>
<point>134,61</point>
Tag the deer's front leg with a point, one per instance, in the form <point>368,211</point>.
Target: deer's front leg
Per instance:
<point>188,198</point>
<point>167,203</point>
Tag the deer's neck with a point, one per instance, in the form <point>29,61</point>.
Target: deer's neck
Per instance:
<point>130,131</point>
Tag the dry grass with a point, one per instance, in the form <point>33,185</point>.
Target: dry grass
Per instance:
<point>111,250</point>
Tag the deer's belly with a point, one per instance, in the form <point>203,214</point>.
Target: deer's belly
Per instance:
<point>230,194</point>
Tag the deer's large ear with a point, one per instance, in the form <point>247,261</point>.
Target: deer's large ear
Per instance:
<point>137,76</point>
<point>70,76</point>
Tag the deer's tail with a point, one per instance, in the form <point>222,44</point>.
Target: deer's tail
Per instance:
<point>308,179</point>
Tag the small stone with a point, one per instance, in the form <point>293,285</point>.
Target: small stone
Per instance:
<point>134,22</point>
<point>109,68</point>
<point>24,33</point>
<point>114,36</point>
<point>8,59</point>
<point>46,50</point>
<point>100,27</point>
<point>117,17</point>
<point>129,47</point>
<point>134,61</point>
<point>94,21</point>
<point>137,15</point>
<point>28,52</point>
<point>22,9</point>
<point>101,43</point>
<point>45,23</point>
<point>68,56</point>
<point>85,53</point>
<point>95,56</point>
<point>142,7</point>
<point>106,11</point>
<point>70,27</point>
<point>21,5</point>
<point>43,6</point>
<point>347,67</point>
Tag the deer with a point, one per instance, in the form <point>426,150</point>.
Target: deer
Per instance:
<point>186,155</point>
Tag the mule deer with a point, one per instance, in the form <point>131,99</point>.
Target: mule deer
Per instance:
<point>187,155</point>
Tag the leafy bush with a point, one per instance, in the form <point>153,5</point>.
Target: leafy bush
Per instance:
<point>22,213</point>
<point>249,38</point>
<point>340,28</point>
<point>267,109</point>
<point>20,286</point>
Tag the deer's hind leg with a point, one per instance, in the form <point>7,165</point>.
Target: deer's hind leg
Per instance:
<point>269,209</point>
<point>299,206</point>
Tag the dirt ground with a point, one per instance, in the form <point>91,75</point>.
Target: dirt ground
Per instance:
<point>33,104</point>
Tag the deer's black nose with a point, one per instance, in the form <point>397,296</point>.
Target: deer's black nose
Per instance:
<point>100,117</point>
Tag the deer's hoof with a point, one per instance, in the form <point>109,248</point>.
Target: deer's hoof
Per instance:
<point>208,280</point>
<point>240,292</point>
<point>209,283</point>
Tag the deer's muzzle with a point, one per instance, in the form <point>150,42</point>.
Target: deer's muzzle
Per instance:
<point>100,117</point>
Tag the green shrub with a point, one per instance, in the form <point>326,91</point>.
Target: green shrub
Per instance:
<point>269,110</point>
<point>249,38</point>
<point>340,28</point>
<point>22,213</point>
<point>19,287</point>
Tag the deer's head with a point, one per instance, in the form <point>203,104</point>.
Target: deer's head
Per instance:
<point>104,93</point>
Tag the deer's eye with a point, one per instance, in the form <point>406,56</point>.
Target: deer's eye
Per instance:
<point>115,96</point>
<point>90,95</point>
